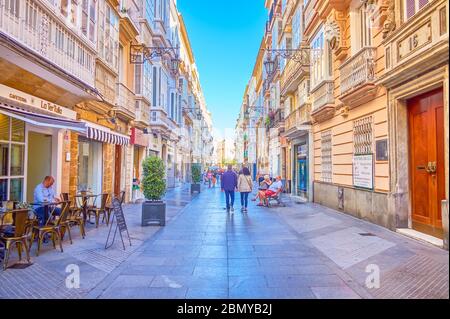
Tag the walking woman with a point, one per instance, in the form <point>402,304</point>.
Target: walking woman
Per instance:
<point>245,187</point>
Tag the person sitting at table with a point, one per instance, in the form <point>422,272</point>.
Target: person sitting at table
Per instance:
<point>45,193</point>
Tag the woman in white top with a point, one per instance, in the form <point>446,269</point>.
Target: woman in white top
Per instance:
<point>245,187</point>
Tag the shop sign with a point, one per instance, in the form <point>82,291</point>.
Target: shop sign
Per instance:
<point>139,138</point>
<point>35,102</point>
<point>363,171</point>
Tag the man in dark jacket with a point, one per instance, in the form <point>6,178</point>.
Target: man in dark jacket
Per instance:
<point>229,185</point>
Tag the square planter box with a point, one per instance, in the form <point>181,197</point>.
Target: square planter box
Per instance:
<point>153,213</point>
<point>195,188</point>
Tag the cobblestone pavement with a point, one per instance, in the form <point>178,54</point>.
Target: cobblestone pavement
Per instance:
<point>46,277</point>
<point>300,251</point>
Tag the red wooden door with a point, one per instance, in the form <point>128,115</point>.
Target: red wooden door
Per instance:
<point>426,132</point>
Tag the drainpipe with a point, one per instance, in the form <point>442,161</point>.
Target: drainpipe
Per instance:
<point>445,222</point>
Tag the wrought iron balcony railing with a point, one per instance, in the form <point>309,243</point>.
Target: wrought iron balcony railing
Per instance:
<point>358,70</point>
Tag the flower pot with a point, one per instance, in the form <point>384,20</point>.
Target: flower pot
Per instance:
<point>153,213</point>
<point>195,188</point>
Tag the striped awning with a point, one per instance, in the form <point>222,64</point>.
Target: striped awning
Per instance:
<point>42,120</point>
<point>105,135</point>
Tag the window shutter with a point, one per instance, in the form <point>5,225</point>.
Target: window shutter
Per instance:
<point>410,8</point>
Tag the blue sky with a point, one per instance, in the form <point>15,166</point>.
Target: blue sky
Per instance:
<point>225,36</point>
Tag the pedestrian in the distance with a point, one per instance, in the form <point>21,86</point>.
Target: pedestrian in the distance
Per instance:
<point>229,185</point>
<point>214,180</point>
<point>245,187</point>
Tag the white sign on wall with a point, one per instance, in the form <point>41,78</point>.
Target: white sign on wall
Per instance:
<point>363,171</point>
<point>35,102</point>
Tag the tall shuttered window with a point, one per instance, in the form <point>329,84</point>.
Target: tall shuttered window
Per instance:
<point>327,157</point>
<point>411,7</point>
<point>363,136</point>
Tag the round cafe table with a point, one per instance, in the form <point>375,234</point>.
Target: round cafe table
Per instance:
<point>84,204</point>
<point>46,206</point>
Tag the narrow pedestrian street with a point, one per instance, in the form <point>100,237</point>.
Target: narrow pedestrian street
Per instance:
<point>301,251</point>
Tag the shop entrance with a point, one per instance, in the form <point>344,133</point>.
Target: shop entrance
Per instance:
<point>90,166</point>
<point>426,133</point>
<point>117,170</point>
<point>39,161</point>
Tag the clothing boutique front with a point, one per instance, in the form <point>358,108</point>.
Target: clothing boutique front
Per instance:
<point>37,140</point>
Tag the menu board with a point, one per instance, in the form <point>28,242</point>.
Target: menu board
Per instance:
<point>120,218</point>
<point>363,171</point>
<point>120,224</point>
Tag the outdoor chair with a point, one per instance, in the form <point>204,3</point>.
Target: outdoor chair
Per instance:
<point>17,237</point>
<point>97,211</point>
<point>75,218</point>
<point>54,227</point>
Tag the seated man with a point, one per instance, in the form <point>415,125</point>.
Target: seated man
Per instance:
<point>45,193</point>
<point>273,190</point>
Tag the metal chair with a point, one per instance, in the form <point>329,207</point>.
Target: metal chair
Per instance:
<point>97,211</point>
<point>18,238</point>
<point>75,218</point>
<point>53,227</point>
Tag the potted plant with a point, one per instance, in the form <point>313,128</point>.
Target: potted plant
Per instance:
<point>196,171</point>
<point>154,188</point>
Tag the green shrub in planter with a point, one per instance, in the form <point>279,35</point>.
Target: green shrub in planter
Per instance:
<point>154,178</point>
<point>196,171</point>
<point>154,188</point>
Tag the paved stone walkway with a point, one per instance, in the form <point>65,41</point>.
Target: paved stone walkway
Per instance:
<point>46,277</point>
<point>301,251</point>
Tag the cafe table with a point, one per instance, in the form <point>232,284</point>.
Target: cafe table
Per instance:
<point>46,206</point>
<point>84,204</point>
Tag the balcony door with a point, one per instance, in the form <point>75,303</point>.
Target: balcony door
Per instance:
<point>426,131</point>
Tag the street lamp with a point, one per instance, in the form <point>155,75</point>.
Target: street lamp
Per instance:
<point>269,65</point>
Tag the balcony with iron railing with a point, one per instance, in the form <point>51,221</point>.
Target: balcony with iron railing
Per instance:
<point>36,28</point>
<point>357,76</point>
<point>277,119</point>
<point>159,119</point>
<point>300,116</point>
<point>297,67</point>
<point>323,101</point>
<point>125,104</point>
<point>142,113</point>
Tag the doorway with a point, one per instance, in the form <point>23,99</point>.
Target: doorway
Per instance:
<point>39,161</point>
<point>117,170</point>
<point>427,170</point>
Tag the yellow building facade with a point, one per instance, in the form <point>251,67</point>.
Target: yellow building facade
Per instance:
<point>363,87</point>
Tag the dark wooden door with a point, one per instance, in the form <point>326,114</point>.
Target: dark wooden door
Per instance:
<point>426,130</point>
<point>117,169</point>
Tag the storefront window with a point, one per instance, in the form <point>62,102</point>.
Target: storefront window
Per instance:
<point>3,189</point>
<point>15,192</point>
<point>18,131</point>
<point>17,157</point>
<point>4,156</point>
<point>89,166</point>
<point>4,128</point>
<point>12,154</point>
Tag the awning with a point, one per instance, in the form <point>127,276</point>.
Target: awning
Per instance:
<point>90,130</point>
<point>104,134</point>
<point>41,119</point>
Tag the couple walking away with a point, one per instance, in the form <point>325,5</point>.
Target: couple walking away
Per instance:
<point>231,182</point>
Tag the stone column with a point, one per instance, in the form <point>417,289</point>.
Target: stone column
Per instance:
<point>73,164</point>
